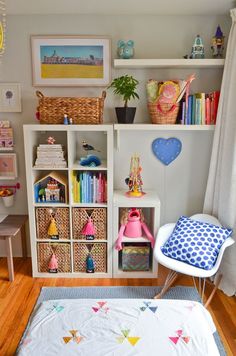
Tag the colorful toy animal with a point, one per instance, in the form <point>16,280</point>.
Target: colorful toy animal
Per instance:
<point>125,50</point>
<point>132,224</point>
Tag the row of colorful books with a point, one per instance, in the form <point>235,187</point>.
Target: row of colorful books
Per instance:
<point>89,187</point>
<point>200,109</point>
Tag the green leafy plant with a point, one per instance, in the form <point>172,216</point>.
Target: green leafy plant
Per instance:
<point>125,86</point>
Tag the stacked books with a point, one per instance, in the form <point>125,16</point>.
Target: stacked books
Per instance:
<point>89,187</point>
<point>201,109</point>
<point>50,156</point>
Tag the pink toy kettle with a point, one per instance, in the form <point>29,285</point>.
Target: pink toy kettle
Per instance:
<point>133,227</point>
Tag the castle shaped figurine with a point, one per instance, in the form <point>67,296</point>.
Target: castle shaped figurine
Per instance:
<point>217,43</point>
<point>197,49</point>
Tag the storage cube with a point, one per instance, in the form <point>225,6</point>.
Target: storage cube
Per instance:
<point>43,219</point>
<point>136,258</point>
<point>98,251</point>
<point>99,219</point>
<point>61,251</point>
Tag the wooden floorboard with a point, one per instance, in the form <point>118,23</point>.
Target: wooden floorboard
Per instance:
<point>17,300</point>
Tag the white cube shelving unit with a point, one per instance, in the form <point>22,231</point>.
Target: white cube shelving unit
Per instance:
<point>71,137</point>
<point>150,204</point>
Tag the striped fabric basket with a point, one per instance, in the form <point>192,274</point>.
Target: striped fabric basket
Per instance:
<point>136,258</point>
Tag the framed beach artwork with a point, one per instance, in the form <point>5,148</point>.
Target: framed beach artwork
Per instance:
<point>8,166</point>
<point>10,97</point>
<point>70,60</point>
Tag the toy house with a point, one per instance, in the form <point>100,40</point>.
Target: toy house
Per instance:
<point>52,188</point>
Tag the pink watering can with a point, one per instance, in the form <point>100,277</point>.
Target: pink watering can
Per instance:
<point>132,227</point>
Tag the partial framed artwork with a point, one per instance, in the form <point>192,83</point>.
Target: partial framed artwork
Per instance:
<point>71,60</point>
<point>8,166</point>
<point>10,97</point>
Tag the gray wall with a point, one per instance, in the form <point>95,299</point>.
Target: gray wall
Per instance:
<point>181,186</point>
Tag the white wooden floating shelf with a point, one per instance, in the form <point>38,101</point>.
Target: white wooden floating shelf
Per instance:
<point>169,63</point>
<point>155,127</point>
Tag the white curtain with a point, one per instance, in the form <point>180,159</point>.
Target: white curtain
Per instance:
<point>220,198</point>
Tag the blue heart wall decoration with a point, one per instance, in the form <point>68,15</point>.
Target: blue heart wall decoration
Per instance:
<point>166,150</point>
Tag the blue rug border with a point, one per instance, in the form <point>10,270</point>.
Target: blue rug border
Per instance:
<point>134,293</point>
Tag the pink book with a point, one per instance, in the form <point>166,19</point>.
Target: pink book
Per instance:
<point>208,111</point>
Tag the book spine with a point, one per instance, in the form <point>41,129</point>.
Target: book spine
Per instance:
<point>183,113</point>
<point>208,110</point>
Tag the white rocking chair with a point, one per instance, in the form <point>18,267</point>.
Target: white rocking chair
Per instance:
<point>177,267</point>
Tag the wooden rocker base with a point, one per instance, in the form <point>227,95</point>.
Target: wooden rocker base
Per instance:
<point>172,277</point>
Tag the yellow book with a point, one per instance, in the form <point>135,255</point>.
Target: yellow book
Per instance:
<point>78,191</point>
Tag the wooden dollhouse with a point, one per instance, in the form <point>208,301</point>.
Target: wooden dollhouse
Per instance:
<point>51,188</point>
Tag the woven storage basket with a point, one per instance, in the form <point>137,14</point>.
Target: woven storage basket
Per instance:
<point>80,218</point>
<point>43,218</point>
<point>136,258</point>
<point>62,253</point>
<point>98,251</point>
<point>85,110</point>
<point>166,114</point>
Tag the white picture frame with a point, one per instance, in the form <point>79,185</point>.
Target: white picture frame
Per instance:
<point>10,97</point>
<point>70,60</point>
<point>8,166</point>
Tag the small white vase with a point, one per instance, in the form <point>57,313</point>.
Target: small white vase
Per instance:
<point>8,201</point>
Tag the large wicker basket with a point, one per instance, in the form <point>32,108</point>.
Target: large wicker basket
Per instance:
<point>82,110</point>
<point>99,218</point>
<point>164,114</point>
<point>43,217</point>
<point>98,251</point>
<point>61,251</point>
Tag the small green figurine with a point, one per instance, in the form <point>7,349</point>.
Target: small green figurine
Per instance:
<point>89,264</point>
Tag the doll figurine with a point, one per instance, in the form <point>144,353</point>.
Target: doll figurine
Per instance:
<point>132,224</point>
<point>89,264</point>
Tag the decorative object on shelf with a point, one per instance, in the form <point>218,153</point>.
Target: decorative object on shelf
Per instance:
<point>197,48</point>
<point>2,26</point>
<point>6,136</point>
<point>53,264</point>
<point>217,41</point>
<point>164,99</point>
<point>89,264</point>
<point>50,155</point>
<point>52,228</point>
<point>166,150</point>
<point>10,97</point>
<point>136,257</point>
<point>125,50</point>
<point>125,86</point>
<point>90,161</point>
<point>70,121</point>
<point>52,188</point>
<point>70,60</point>
<point>8,166</point>
<point>88,147</point>
<point>7,193</point>
<point>132,223</point>
<point>51,140</point>
<point>134,181</point>
<point>89,230</point>
<point>87,110</point>
<point>65,119</point>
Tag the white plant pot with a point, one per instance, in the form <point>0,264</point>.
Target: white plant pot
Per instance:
<point>8,201</point>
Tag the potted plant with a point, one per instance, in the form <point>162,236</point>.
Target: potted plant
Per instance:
<point>7,197</point>
<point>125,86</point>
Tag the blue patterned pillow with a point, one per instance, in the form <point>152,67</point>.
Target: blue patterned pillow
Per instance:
<point>196,243</point>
